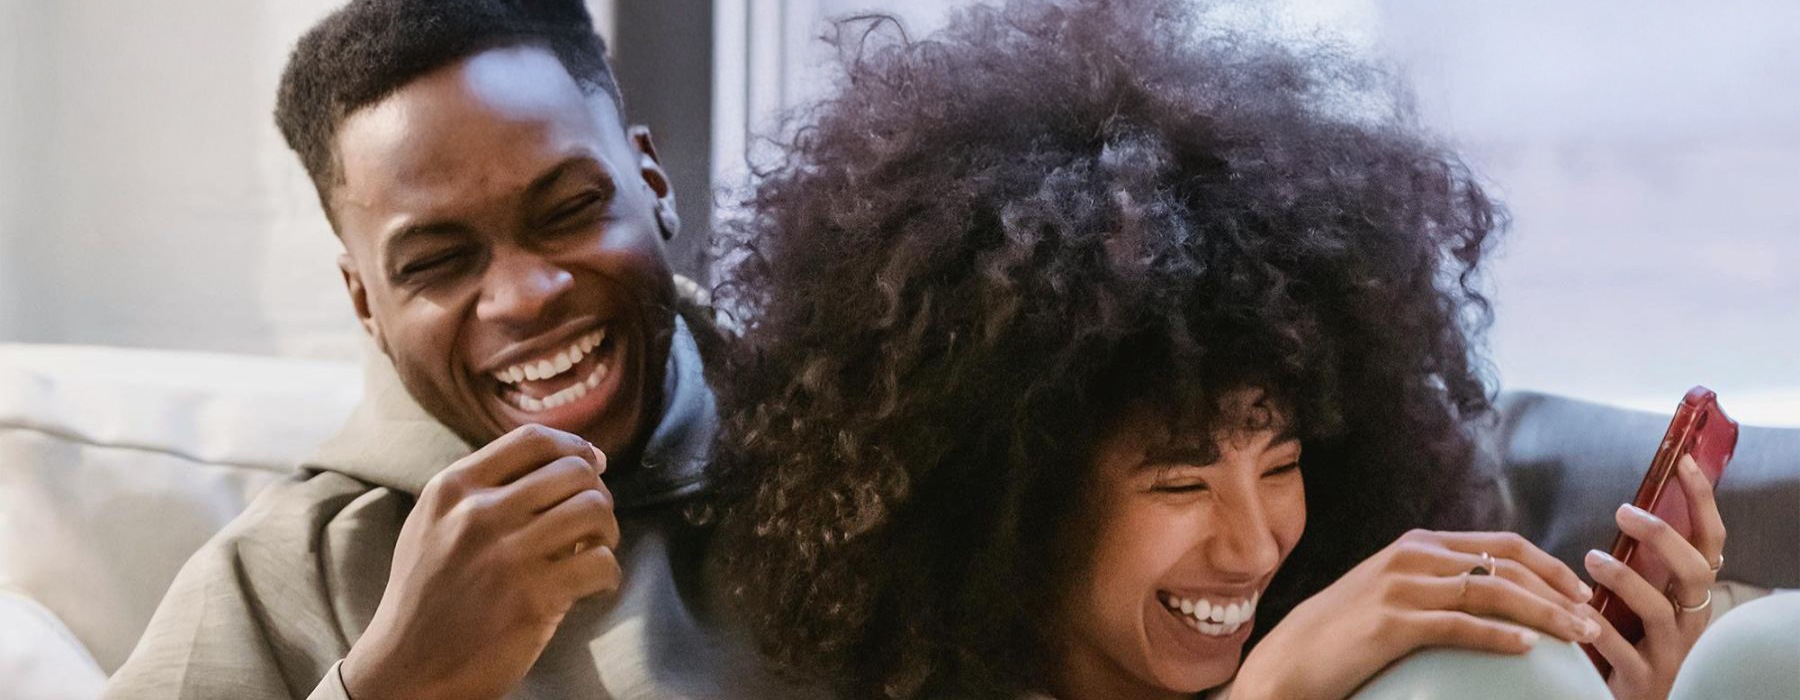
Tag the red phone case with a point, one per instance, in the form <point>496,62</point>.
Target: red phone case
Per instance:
<point>1699,428</point>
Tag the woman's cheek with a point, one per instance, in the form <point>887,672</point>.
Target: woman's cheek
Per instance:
<point>1287,514</point>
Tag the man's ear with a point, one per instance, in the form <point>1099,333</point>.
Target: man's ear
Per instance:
<point>359,299</point>
<point>650,167</point>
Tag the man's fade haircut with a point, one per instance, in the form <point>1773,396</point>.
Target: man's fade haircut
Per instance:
<point>368,49</point>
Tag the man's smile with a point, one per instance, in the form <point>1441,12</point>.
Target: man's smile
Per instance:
<point>567,383</point>
<point>537,384</point>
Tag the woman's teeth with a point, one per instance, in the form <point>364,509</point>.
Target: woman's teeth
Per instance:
<point>1217,619</point>
<point>552,365</point>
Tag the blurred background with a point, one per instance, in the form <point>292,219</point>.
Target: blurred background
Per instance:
<point>1649,152</point>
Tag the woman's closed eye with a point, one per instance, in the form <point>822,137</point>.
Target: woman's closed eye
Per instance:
<point>1180,486</point>
<point>1283,469</point>
<point>1195,483</point>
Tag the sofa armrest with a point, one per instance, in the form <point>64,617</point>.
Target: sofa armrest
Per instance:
<point>39,657</point>
<point>116,464</point>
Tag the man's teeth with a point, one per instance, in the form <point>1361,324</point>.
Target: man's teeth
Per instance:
<point>575,391</point>
<point>1213,618</point>
<point>553,365</point>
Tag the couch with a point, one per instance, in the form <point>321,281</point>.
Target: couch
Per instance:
<point>116,464</point>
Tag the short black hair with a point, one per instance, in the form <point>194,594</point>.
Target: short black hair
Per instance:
<point>368,49</point>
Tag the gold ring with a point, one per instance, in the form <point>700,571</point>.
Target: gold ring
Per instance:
<point>1720,564</point>
<point>1679,608</point>
<point>1487,567</point>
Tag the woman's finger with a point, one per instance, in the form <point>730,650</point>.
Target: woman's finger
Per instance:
<point>1510,545</point>
<point>1422,628</point>
<point>1624,657</point>
<point>1657,613</point>
<point>1452,563</point>
<point>1703,512</point>
<point>1494,596</point>
<point>1688,568</point>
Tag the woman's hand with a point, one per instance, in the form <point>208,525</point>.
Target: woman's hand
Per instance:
<point>1417,592</point>
<point>1647,669</point>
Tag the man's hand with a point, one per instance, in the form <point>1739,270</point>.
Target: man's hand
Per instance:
<point>500,545</point>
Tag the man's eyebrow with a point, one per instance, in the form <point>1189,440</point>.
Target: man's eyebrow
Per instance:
<point>543,182</point>
<point>437,229</point>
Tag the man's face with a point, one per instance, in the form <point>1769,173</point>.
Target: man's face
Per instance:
<point>502,248</point>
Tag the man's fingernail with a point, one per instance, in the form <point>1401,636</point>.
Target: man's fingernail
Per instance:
<point>1595,555</point>
<point>1636,512</point>
<point>1529,637</point>
<point>1582,589</point>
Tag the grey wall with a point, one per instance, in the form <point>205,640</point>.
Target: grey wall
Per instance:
<point>1650,153</point>
<point>149,201</point>
<point>663,54</point>
<point>146,198</point>
<point>21,80</point>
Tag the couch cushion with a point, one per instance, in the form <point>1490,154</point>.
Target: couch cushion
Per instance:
<point>116,464</point>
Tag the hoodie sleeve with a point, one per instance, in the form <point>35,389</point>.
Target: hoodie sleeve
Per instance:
<point>269,606</point>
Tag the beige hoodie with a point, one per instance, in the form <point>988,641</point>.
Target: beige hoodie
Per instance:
<point>271,604</point>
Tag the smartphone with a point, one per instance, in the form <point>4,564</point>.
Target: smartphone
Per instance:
<point>1699,428</point>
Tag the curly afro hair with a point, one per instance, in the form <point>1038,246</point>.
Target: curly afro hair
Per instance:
<point>367,49</point>
<point>987,243</point>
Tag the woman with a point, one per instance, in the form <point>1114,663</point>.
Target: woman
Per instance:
<point>1087,347</point>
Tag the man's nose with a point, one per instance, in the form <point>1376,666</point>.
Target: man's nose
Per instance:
<point>520,289</point>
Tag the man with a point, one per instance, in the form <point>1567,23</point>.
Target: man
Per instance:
<point>502,515</point>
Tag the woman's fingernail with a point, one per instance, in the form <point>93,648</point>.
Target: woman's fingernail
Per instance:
<point>1599,558</point>
<point>1586,593</point>
<point>1636,512</point>
<point>1529,637</point>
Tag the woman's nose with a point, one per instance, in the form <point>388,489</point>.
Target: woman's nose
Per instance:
<point>1243,540</point>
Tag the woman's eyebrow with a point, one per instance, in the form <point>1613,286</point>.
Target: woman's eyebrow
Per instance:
<point>1205,455</point>
<point>1195,455</point>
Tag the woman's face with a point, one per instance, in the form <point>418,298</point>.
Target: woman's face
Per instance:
<point>1183,546</point>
